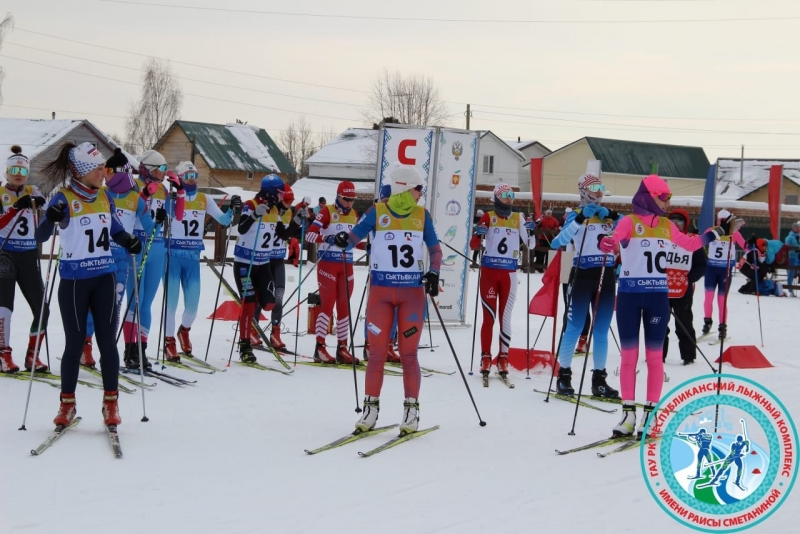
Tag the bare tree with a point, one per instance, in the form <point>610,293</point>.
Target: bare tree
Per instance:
<point>6,26</point>
<point>299,142</point>
<point>411,99</point>
<point>158,108</point>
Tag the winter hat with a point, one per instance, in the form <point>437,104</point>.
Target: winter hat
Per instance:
<point>502,188</point>
<point>796,225</point>
<point>590,189</point>
<point>405,178</point>
<point>286,194</point>
<point>723,215</point>
<point>567,210</point>
<point>184,167</point>
<point>307,200</point>
<point>346,189</point>
<point>150,159</point>
<point>122,180</point>
<point>644,200</point>
<point>18,159</point>
<point>479,213</point>
<point>85,158</point>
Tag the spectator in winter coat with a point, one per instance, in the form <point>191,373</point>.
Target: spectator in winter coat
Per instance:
<point>761,255</point>
<point>681,290</point>
<point>793,240</point>
<point>477,251</point>
<point>550,227</point>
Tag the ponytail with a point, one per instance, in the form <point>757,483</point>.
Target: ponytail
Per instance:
<point>58,171</point>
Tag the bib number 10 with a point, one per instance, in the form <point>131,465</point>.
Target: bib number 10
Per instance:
<point>659,262</point>
<point>408,256</point>
<point>102,242</point>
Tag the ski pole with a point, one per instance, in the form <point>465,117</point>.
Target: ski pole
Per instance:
<point>453,350</point>
<point>136,313</point>
<point>13,227</point>
<point>528,314</point>
<point>461,254</point>
<point>138,278</point>
<point>361,303</point>
<point>49,300</point>
<point>758,302</point>
<point>319,259</point>
<point>349,321</point>
<point>685,331</point>
<point>39,328</point>
<point>247,285</point>
<point>475,318</point>
<point>219,286</point>
<point>162,326</point>
<point>430,332</point>
<point>614,337</point>
<point>299,287</point>
<point>290,310</point>
<point>35,214</point>
<point>724,313</point>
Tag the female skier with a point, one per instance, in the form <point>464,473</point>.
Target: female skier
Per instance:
<point>645,238</point>
<point>186,243</point>
<point>720,264</point>
<point>582,232</point>
<point>19,259</point>
<point>400,228</point>
<point>87,222</point>
<point>502,229</point>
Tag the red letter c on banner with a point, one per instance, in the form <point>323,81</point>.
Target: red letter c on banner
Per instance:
<point>401,152</point>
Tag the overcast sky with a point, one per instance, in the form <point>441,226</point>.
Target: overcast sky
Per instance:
<point>705,80</point>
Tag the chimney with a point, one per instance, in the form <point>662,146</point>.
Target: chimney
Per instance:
<point>54,115</point>
<point>519,140</point>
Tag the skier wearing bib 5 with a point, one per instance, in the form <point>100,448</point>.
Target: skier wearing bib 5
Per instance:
<point>718,271</point>
<point>643,240</point>
<point>397,285</point>
<point>19,259</point>
<point>502,230</point>
<point>87,222</point>
<point>593,221</point>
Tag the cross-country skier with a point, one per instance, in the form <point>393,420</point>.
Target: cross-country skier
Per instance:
<point>400,229</point>
<point>738,449</point>
<point>594,220</point>
<point>87,223</point>
<point>186,243</point>
<point>718,270</point>
<point>502,230</point>
<point>332,219</point>
<point>152,170</point>
<point>645,238</point>
<point>793,240</point>
<point>19,259</point>
<point>703,440</point>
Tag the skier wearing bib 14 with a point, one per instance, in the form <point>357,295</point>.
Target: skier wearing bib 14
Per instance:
<point>502,230</point>
<point>186,243</point>
<point>643,240</point>
<point>397,285</point>
<point>87,221</point>
<point>721,261</point>
<point>595,221</point>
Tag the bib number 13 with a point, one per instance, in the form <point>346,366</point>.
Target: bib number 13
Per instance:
<point>408,256</point>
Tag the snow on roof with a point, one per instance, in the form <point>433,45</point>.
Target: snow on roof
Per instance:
<point>354,146</point>
<point>34,136</point>
<point>756,175</point>
<point>519,145</point>
<point>248,138</point>
<point>519,154</point>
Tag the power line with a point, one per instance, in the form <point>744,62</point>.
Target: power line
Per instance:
<point>447,20</point>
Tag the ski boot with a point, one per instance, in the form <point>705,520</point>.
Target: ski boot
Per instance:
<point>564,382</point>
<point>183,339</point>
<point>599,386</point>
<point>393,356</point>
<point>110,409</point>
<point>369,418</point>
<point>66,411</point>
<point>321,354</point>
<point>31,359</point>
<point>486,364</point>
<point>723,331</point>
<point>7,364</point>
<point>255,339</point>
<point>132,356</point>
<point>86,358</point>
<point>343,355</point>
<point>628,423</point>
<point>275,338</point>
<point>581,348</point>
<point>170,352</point>
<point>707,323</point>
<point>648,410</point>
<point>502,364</point>
<point>410,422</point>
<point>246,351</point>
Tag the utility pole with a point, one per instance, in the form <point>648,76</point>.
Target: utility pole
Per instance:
<point>741,168</point>
<point>469,115</point>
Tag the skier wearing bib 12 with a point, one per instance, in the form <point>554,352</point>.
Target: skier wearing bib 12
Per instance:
<point>87,223</point>
<point>19,259</point>
<point>595,221</point>
<point>186,243</point>
<point>397,285</point>
<point>502,230</point>
<point>643,240</point>
<point>717,275</point>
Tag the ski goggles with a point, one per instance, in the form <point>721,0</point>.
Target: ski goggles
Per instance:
<point>21,171</point>
<point>348,199</point>
<point>189,176</point>
<point>162,168</point>
<point>508,193</point>
<point>596,188</point>
<point>663,197</point>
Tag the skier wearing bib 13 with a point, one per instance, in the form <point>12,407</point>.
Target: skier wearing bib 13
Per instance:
<point>643,240</point>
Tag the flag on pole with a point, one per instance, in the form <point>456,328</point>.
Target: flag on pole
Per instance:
<point>545,301</point>
<point>537,186</point>
<point>774,197</point>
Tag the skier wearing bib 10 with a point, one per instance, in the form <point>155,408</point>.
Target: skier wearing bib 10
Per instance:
<point>643,240</point>
<point>186,243</point>
<point>721,261</point>
<point>87,222</point>
<point>400,229</point>
<point>502,230</point>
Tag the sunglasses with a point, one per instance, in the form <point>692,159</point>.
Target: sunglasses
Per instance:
<point>348,199</point>
<point>162,168</point>
<point>596,188</point>
<point>111,171</point>
<point>506,194</point>
<point>189,176</point>
<point>664,197</point>
<point>14,171</point>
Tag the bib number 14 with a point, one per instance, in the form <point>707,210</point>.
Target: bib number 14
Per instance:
<point>102,242</point>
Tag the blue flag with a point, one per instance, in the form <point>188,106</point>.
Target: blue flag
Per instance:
<point>707,211</point>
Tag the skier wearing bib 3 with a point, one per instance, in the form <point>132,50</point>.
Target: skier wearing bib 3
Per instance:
<point>502,230</point>
<point>331,273</point>
<point>718,271</point>
<point>397,285</point>
<point>594,221</point>
<point>186,243</point>
<point>87,223</point>
<point>643,240</point>
<point>19,259</point>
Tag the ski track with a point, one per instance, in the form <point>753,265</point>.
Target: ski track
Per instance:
<point>227,454</point>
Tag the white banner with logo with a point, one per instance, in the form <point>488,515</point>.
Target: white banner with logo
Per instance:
<point>406,146</point>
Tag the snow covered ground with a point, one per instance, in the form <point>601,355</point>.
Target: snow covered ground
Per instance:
<point>227,454</point>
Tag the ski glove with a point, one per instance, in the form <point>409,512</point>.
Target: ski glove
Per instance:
<point>260,210</point>
<point>150,189</point>
<point>56,214</point>
<point>300,215</point>
<point>132,244</point>
<point>602,213</point>
<point>732,225</point>
<point>590,210</point>
<point>28,201</point>
<point>482,230</point>
<point>530,225</point>
<point>606,245</point>
<point>613,215</point>
<point>161,215</point>
<point>173,179</point>
<point>341,239</point>
<point>431,282</point>
<point>236,203</point>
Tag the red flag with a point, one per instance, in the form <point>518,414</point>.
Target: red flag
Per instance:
<point>537,186</point>
<point>775,199</point>
<point>545,301</point>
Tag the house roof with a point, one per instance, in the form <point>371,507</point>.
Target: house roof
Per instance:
<point>235,147</point>
<point>354,146</point>
<point>525,143</point>
<point>34,136</point>
<point>756,175</point>
<point>516,152</point>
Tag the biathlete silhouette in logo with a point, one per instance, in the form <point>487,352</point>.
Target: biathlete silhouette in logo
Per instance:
<point>738,449</point>
<point>702,439</point>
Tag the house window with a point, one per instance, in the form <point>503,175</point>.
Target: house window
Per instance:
<point>250,175</point>
<point>488,164</point>
<point>792,200</point>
